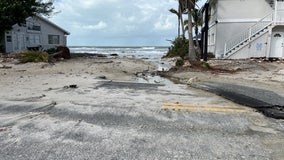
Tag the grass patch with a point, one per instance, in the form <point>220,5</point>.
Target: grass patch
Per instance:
<point>33,56</point>
<point>179,62</point>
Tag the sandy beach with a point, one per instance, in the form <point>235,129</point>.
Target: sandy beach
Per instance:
<point>33,78</point>
<point>19,80</point>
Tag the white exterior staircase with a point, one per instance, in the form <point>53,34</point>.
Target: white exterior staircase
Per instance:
<point>261,27</point>
<point>244,38</point>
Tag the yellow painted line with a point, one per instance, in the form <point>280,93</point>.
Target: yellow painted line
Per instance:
<point>201,107</point>
<point>193,105</point>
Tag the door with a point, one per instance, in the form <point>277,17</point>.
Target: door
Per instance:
<point>19,42</point>
<point>277,44</point>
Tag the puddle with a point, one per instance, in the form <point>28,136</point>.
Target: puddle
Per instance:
<point>153,77</point>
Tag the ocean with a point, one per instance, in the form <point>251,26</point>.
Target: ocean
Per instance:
<point>146,53</point>
<point>153,54</point>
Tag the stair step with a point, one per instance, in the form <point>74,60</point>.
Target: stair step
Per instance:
<point>261,27</point>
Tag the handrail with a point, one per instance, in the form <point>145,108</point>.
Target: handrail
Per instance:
<point>248,33</point>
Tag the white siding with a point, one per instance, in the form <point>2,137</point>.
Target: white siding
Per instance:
<point>47,29</point>
<point>242,9</point>
<point>257,48</point>
<point>234,17</point>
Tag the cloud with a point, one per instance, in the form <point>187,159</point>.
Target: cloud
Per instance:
<point>165,23</point>
<point>98,22</point>
<point>101,25</point>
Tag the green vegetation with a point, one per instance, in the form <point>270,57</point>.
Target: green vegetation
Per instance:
<point>193,20</point>
<point>51,50</point>
<point>210,55</point>
<point>179,62</point>
<point>33,56</point>
<point>206,65</point>
<point>179,48</point>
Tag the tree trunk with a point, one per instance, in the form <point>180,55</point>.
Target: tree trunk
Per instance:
<point>181,18</point>
<point>196,42</point>
<point>178,26</point>
<point>191,50</point>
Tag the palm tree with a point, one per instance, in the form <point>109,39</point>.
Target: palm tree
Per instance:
<point>197,21</point>
<point>186,6</point>
<point>191,51</point>
<point>182,10</point>
<point>177,13</point>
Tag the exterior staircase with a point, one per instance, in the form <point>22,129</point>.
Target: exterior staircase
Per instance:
<point>261,27</point>
<point>244,38</point>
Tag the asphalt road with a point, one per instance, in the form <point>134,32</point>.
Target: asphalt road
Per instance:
<point>267,102</point>
<point>122,120</point>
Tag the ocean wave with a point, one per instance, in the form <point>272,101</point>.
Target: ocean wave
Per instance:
<point>149,53</point>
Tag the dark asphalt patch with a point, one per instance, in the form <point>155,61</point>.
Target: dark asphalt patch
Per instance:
<point>129,85</point>
<point>267,102</point>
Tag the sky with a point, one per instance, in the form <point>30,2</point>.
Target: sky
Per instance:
<point>117,22</point>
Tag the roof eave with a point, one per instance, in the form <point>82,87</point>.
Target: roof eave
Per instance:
<point>53,24</point>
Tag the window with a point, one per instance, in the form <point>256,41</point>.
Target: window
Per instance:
<point>277,35</point>
<point>33,27</point>
<point>34,39</point>
<point>213,38</point>
<point>53,39</point>
<point>36,28</point>
<point>208,39</point>
<point>9,38</point>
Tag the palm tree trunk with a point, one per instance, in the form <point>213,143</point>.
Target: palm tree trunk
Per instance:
<point>181,18</point>
<point>196,41</point>
<point>178,26</point>
<point>191,50</point>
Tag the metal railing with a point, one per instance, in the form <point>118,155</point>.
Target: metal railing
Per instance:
<point>248,34</point>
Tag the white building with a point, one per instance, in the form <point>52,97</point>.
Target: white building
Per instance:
<point>36,32</point>
<point>246,28</point>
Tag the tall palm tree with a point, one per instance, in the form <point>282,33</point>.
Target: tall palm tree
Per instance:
<point>186,6</point>
<point>177,13</point>
<point>197,22</point>
<point>182,10</point>
<point>191,50</point>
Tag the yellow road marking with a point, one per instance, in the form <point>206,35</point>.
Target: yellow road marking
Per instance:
<point>202,107</point>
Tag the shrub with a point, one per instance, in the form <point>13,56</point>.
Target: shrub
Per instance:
<point>51,50</point>
<point>33,56</point>
<point>179,62</point>
<point>206,65</point>
<point>210,55</point>
<point>179,48</point>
